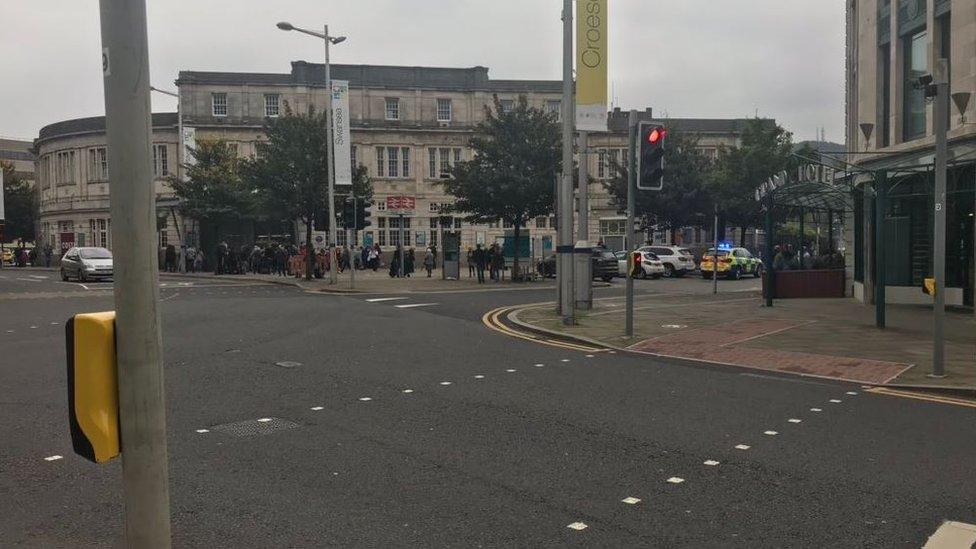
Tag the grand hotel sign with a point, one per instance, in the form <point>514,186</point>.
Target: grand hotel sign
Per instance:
<point>807,173</point>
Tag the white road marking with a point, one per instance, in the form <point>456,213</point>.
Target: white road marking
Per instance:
<point>201,431</point>
<point>264,420</point>
<point>55,323</point>
<point>952,535</point>
<point>590,356</point>
<point>408,391</point>
<point>511,370</point>
<point>33,327</point>
<point>676,480</point>
<point>53,458</point>
<point>564,360</point>
<point>612,352</point>
<point>852,393</point>
<point>414,305</point>
<point>711,462</point>
<point>10,331</point>
<point>794,420</point>
<point>538,365</point>
<point>382,299</point>
<point>42,277</point>
<point>317,408</point>
<point>479,376</point>
<point>742,447</point>
<point>365,399</point>
<point>445,383</point>
<point>770,433</point>
<point>673,326</point>
<point>631,500</point>
<point>29,280</point>
<point>816,409</point>
<point>577,526</point>
<point>835,401</point>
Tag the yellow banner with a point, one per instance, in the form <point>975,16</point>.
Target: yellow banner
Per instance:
<point>591,65</point>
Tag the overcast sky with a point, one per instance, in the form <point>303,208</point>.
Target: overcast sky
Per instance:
<point>685,58</point>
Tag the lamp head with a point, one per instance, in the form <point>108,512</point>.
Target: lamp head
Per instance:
<point>337,39</point>
<point>285,26</point>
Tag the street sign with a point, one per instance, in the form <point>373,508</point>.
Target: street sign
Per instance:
<point>401,204</point>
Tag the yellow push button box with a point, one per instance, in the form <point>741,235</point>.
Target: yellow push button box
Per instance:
<point>93,386</point>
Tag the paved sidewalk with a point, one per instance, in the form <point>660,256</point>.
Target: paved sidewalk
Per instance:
<point>833,338</point>
<point>379,282</point>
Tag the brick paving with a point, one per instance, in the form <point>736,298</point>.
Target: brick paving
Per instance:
<point>722,345</point>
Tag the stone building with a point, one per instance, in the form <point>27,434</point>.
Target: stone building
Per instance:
<point>409,125</point>
<point>20,155</point>
<point>890,128</point>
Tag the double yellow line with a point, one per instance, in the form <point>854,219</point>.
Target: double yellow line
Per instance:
<point>492,319</point>
<point>922,396</point>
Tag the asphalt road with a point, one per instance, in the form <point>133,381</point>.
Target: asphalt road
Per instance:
<point>406,422</point>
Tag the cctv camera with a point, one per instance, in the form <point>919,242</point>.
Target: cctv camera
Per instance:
<point>925,79</point>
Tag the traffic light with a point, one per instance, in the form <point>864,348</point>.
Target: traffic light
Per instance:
<point>348,214</point>
<point>362,215</point>
<point>650,161</point>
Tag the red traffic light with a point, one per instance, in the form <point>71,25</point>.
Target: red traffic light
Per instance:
<point>656,135</point>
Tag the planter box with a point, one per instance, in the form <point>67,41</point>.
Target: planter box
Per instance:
<point>807,284</point>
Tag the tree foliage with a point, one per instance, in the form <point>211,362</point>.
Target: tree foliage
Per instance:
<point>214,190</point>
<point>685,196</point>
<point>517,157</point>
<point>20,205</point>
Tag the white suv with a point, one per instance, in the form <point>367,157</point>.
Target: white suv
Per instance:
<point>677,261</point>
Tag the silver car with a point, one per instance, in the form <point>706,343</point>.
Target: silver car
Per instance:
<point>86,264</point>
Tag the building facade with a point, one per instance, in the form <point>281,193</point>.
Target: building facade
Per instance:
<point>890,130</point>
<point>409,126</point>
<point>20,155</point>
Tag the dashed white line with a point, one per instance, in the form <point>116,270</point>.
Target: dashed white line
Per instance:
<point>711,462</point>
<point>564,360</point>
<point>365,399</point>
<point>835,401</point>
<point>538,365</point>
<point>53,458</point>
<point>479,376</point>
<point>445,383</point>
<point>264,420</point>
<point>201,431</point>
<point>852,393</point>
<point>382,299</point>
<point>414,305</point>
<point>631,500</point>
<point>408,391</point>
<point>577,526</point>
<point>795,420</point>
<point>590,356</point>
<point>33,327</point>
<point>816,409</point>
<point>770,433</point>
<point>742,446</point>
<point>676,480</point>
<point>317,408</point>
<point>511,370</point>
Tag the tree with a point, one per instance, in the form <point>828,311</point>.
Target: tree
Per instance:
<point>517,157</point>
<point>288,174</point>
<point>213,190</point>
<point>765,150</point>
<point>362,189</point>
<point>685,194</point>
<point>20,205</point>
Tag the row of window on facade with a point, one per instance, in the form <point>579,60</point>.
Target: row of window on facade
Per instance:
<point>98,233</point>
<point>391,111</point>
<point>59,168</point>
<point>912,39</point>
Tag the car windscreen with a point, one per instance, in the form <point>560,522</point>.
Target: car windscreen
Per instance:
<point>96,253</point>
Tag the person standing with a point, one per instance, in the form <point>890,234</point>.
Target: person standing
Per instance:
<point>480,259</point>
<point>395,262</point>
<point>408,263</point>
<point>198,261</point>
<point>429,261</point>
<point>470,259</point>
<point>170,258</point>
<point>373,259</point>
<point>433,253</point>
<point>47,255</point>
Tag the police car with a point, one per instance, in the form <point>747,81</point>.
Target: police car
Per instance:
<point>733,263</point>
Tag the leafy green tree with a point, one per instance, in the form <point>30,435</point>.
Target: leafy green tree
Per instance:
<point>289,172</point>
<point>765,150</point>
<point>685,194</point>
<point>517,156</point>
<point>20,205</point>
<point>213,190</point>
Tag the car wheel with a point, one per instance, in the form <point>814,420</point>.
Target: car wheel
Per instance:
<point>641,274</point>
<point>759,271</point>
<point>668,270</point>
<point>735,274</point>
<point>64,275</point>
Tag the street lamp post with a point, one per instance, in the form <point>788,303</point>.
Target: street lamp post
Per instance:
<point>180,159</point>
<point>326,39</point>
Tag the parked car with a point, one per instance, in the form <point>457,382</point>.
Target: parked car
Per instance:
<point>732,264</point>
<point>604,264</point>
<point>677,261</point>
<point>86,263</point>
<point>650,265</point>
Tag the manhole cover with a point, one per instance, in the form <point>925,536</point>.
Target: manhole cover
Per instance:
<point>288,364</point>
<point>255,427</point>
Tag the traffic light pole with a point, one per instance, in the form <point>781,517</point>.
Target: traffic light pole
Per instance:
<point>939,234</point>
<point>142,410</point>
<point>583,251</point>
<point>631,206</point>
<point>350,241</point>
<point>564,247</point>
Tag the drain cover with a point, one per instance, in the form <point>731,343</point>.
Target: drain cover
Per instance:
<point>255,427</point>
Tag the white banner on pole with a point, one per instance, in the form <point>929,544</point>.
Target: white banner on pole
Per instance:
<point>189,143</point>
<point>340,133</point>
<point>1,196</point>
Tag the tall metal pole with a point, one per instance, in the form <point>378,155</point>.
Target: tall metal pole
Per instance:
<point>351,241</point>
<point>402,249</point>
<point>583,263</point>
<point>715,254</point>
<point>138,344</point>
<point>939,248</point>
<point>333,273</point>
<point>631,206</point>
<point>880,206</point>
<point>564,248</point>
<point>768,274</point>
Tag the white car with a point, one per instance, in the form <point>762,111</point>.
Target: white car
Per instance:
<point>86,263</point>
<point>650,265</point>
<point>677,261</point>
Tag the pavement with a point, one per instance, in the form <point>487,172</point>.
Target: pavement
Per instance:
<point>829,338</point>
<point>402,420</point>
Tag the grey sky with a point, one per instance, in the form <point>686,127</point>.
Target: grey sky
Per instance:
<point>684,58</point>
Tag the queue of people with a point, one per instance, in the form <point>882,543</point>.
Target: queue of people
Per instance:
<point>491,259</point>
<point>788,258</point>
